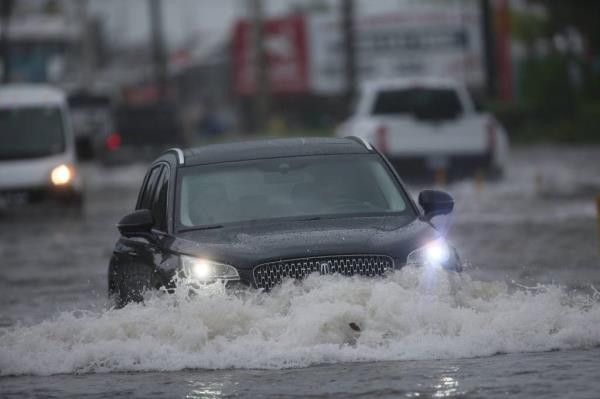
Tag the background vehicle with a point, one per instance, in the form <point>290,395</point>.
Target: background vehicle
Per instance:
<point>92,121</point>
<point>427,124</point>
<point>37,148</point>
<point>141,132</point>
<point>291,200</point>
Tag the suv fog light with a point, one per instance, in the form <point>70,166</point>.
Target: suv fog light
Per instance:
<point>435,253</point>
<point>207,271</point>
<point>61,175</point>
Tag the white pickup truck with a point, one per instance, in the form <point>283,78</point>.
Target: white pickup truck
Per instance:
<point>424,125</point>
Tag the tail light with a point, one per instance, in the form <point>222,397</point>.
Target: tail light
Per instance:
<point>113,141</point>
<point>381,138</point>
<point>491,135</point>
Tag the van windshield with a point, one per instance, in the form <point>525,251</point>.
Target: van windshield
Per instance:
<point>31,132</point>
<point>296,187</point>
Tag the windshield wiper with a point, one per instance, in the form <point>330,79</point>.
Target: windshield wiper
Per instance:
<point>205,227</point>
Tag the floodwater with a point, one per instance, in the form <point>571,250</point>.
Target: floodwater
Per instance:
<point>523,320</point>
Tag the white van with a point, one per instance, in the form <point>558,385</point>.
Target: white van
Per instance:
<point>37,150</point>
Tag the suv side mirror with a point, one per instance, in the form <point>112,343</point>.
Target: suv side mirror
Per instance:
<point>435,203</point>
<point>137,222</point>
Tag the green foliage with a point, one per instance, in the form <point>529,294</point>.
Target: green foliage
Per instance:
<point>558,93</point>
<point>527,123</point>
<point>545,86</point>
<point>527,27</point>
<point>582,14</point>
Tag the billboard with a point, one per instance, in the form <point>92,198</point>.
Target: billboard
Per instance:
<point>440,41</point>
<point>305,53</point>
<point>285,51</point>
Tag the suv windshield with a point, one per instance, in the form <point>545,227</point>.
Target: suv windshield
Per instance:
<point>297,187</point>
<point>31,132</point>
<point>422,103</point>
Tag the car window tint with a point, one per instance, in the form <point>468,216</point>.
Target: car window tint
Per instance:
<point>31,132</point>
<point>147,193</point>
<point>422,103</point>
<point>159,204</point>
<point>288,187</point>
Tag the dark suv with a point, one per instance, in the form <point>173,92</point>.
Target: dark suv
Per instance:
<point>255,213</point>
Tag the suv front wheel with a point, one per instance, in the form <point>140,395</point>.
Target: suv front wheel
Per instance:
<point>128,285</point>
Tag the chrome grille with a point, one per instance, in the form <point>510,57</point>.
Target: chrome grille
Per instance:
<point>267,275</point>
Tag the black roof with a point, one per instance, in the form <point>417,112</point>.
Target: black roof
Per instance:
<point>272,148</point>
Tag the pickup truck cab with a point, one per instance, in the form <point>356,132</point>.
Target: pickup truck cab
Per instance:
<point>37,149</point>
<point>426,124</point>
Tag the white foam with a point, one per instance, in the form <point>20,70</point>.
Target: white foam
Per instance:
<point>413,314</point>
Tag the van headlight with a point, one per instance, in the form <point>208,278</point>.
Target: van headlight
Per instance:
<point>207,271</point>
<point>435,253</point>
<point>61,175</point>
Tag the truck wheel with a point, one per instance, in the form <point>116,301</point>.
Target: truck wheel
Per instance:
<point>131,283</point>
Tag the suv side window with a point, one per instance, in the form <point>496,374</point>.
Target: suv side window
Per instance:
<point>147,193</point>
<point>159,203</point>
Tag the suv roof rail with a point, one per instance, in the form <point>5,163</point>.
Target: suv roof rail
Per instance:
<point>362,141</point>
<point>178,152</point>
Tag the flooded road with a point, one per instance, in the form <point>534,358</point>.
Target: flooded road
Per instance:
<point>523,320</point>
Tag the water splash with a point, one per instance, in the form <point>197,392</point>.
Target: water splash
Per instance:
<point>412,314</point>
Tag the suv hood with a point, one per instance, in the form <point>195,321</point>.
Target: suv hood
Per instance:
<point>245,246</point>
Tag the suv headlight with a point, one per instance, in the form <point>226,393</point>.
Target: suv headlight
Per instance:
<point>435,253</point>
<point>207,271</point>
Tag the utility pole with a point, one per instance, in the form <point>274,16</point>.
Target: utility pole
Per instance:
<point>503,50</point>
<point>348,34</point>
<point>260,66</point>
<point>5,11</point>
<point>158,48</point>
<point>87,44</point>
<point>489,48</point>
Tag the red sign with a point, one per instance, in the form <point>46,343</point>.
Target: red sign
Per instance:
<point>286,56</point>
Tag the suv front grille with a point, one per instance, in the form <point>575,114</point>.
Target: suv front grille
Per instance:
<point>267,275</point>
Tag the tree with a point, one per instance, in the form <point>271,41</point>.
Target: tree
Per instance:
<point>581,14</point>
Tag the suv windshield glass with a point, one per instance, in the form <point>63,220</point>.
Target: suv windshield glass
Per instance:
<point>30,132</point>
<point>422,103</point>
<point>297,187</point>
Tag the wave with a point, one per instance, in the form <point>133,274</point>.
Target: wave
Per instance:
<point>412,314</point>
